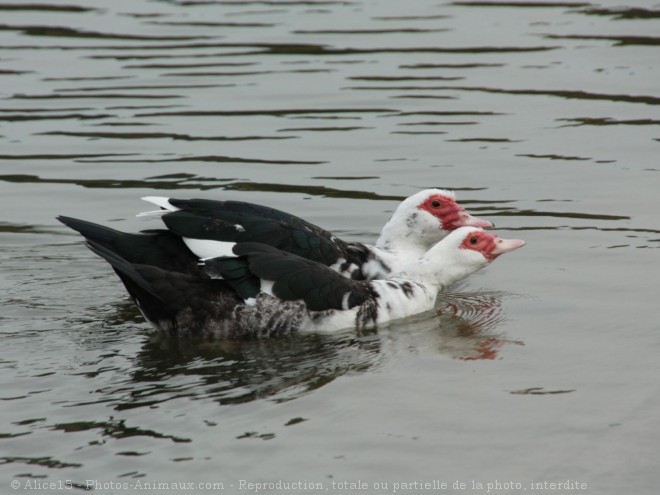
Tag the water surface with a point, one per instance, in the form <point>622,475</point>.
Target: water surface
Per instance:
<point>543,116</point>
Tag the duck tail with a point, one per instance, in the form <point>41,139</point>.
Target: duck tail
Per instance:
<point>141,283</point>
<point>159,248</point>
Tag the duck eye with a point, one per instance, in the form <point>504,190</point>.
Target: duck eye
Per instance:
<point>473,240</point>
<point>435,203</point>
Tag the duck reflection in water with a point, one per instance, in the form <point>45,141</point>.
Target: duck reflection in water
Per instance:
<point>239,371</point>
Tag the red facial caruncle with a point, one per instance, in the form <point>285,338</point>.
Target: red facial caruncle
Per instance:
<point>451,214</point>
<point>490,245</point>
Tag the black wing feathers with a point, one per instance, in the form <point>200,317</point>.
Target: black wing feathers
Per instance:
<point>163,295</point>
<point>217,209</point>
<point>236,272</point>
<point>187,224</point>
<point>218,220</point>
<point>294,278</point>
<point>126,270</point>
<point>160,248</point>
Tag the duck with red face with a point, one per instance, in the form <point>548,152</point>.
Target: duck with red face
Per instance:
<point>262,291</point>
<point>211,228</point>
<point>443,206</point>
<point>489,245</point>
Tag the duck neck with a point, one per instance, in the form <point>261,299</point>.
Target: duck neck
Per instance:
<point>439,268</point>
<point>399,239</point>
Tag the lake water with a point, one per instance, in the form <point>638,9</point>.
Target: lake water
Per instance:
<point>544,368</point>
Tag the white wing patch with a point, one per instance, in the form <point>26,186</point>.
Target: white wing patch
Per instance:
<point>205,248</point>
<point>267,287</point>
<point>160,201</point>
<point>344,300</point>
<point>151,214</point>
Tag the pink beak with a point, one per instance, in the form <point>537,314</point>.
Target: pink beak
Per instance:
<point>467,220</point>
<point>506,245</point>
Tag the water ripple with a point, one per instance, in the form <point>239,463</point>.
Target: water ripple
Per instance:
<point>622,13</point>
<point>607,121</point>
<point>158,135</point>
<point>344,32</point>
<point>284,112</point>
<point>29,7</point>
<point>107,101</point>
<point>467,321</point>
<point>95,96</point>
<point>55,31</point>
<point>239,372</point>
<point>521,4</point>
<point>577,94</point>
<point>618,40</point>
<point>52,116</point>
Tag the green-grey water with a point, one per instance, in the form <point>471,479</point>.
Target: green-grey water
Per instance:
<point>543,116</point>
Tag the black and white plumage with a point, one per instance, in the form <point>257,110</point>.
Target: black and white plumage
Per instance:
<point>264,291</point>
<point>212,228</point>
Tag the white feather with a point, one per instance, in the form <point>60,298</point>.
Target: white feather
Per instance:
<point>344,300</point>
<point>151,214</point>
<point>160,201</point>
<point>164,203</point>
<point>205,248</point>
<point>267,286</point>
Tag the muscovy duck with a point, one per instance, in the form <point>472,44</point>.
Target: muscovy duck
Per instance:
<point>263,291</point>
<point>211,229</point>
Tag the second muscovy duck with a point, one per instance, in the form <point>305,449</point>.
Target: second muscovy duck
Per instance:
<point>211,228</point>
<point>263,291</point>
